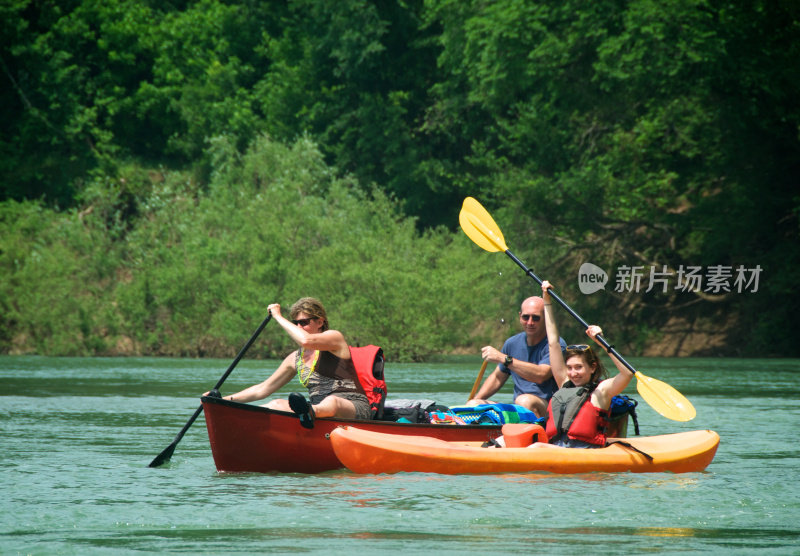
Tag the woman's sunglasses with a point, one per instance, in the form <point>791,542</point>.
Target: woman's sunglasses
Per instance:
<point>304,322</point>
<point>578,347</point>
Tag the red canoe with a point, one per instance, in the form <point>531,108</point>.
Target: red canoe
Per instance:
<point>249,438</point>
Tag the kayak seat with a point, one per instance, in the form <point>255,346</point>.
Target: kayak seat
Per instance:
<point>521,435</point>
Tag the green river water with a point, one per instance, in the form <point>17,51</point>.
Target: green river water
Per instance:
<point>78,434</point>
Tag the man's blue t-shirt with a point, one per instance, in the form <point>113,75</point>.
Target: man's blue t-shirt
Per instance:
<point>518,348</point>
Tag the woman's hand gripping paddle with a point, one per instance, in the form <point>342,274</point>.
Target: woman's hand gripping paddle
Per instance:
<point>479,226</point>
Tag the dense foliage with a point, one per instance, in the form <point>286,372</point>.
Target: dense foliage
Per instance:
<point>197,271</point>
<point>143,210</point>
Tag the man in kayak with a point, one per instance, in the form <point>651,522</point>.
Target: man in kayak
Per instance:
<point>526,358</point>
<point>322,363</point>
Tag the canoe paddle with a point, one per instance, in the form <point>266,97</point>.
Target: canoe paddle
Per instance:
<point>479,226</point>
<point>478,380</point>
<point>164,456</point>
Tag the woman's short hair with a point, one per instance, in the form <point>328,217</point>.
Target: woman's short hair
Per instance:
<point>312,307</point>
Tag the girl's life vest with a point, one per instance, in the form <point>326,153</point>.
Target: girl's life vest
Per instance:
<point>571,412</point>
<point>368,362</point>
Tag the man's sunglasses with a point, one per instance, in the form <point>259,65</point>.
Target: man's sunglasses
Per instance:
<point>535,318</point>
<point>303,322</point>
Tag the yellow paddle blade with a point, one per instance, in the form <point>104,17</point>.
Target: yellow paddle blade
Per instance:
<point>664,398</point>
<point>480,227</point>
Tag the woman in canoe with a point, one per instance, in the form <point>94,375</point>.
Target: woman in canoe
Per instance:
<point>577,414</point>
<point>323,364</point>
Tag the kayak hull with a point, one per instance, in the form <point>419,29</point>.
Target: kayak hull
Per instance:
<point>364,451</point>
<point>249,438</point>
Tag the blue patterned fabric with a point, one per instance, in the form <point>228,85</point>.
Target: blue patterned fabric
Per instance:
<point>496,414</point>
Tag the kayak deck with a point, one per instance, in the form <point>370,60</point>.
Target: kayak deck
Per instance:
<point>364,451</point>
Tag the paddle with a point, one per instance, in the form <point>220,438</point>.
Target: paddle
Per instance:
<point>479,226</point>
<point>478,381</point>
<point>164,456</point>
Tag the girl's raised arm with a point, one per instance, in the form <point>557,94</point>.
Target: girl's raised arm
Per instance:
<point>557,364</point>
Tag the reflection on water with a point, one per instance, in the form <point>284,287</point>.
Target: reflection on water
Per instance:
<point>669,481</point>
<point>666,532</point>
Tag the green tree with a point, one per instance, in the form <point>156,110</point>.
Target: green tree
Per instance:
<point>632,132</point>
<point>96,83</point>
<point>355,74</point>
<point>622,131</point>
<point>56,271</point>
<point>277,224</point>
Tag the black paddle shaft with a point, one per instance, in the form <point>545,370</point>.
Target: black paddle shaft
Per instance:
<point>575,315</point>
<point>165,455</point>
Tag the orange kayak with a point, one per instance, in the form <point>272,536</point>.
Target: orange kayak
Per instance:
<point>364,451</point>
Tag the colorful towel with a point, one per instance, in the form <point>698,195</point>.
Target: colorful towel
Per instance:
<point>445,418</point>
<point>497,414</point>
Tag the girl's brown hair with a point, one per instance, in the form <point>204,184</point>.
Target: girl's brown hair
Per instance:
<point>589,359</point>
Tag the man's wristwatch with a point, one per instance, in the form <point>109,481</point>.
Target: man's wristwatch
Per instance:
<point>508,361</point>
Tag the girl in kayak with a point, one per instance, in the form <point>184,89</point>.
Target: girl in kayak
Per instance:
<point>322,363</point>
<point>577,414</point>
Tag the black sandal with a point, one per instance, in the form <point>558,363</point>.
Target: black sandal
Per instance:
<point>300,405</point>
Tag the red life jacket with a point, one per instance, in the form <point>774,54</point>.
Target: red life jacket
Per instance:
<point>571,411</point>
<point>368,362</point>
